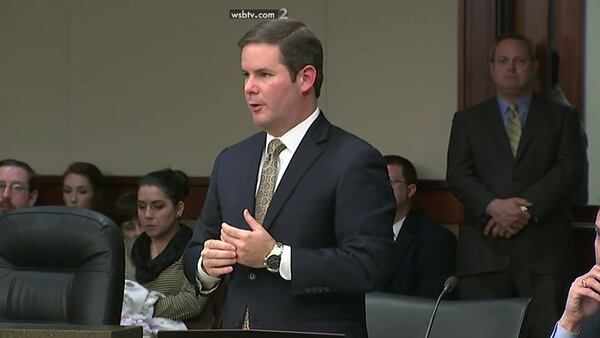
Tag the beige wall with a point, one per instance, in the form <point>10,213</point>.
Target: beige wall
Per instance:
<point>135,86</point>
<point>592,99</point>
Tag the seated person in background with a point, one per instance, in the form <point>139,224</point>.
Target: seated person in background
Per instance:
<point>581,317</point>
<point>153,259</point>
<point>125,214</point>
<point>18,185</point>
<point>83,184</point>
<point>426,252</point>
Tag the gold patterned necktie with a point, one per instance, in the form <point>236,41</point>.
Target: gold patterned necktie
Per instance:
<point>268,178</point>
<point>513,128</point>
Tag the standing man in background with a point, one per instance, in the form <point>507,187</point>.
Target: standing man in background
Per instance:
<point>514,162</point>
<point>298,216</point>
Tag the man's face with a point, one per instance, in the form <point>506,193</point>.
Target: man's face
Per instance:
<point>15,189</point>
<point>271,95</point>
<point>402,191</point>
<point>512,70</point>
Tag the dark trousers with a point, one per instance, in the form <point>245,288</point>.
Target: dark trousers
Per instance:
<point>547,291</point>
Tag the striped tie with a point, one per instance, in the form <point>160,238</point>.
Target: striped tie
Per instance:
<point>513,128</point>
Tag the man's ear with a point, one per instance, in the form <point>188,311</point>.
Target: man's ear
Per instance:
<point>307,78</point>
<point>412,190</point>
<point>33,195</point>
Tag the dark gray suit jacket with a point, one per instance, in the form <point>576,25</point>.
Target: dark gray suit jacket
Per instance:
<point>591,326</point>
<point>334,206</point>
<point>546,170</point>
<point>426,254</point>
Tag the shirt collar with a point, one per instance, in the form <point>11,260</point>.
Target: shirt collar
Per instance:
<point>522,105</point>
<point>292,138</point>
<point>396,227</point>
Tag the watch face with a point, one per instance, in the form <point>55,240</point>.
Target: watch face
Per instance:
<point>273,261</point>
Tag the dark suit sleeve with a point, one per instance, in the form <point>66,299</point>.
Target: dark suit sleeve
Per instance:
<point>591,326</point>
<point>438,263</point>
<point>207,226</point>
<point>364,211</point>
<point>561,180</point>
<point>460,172</point>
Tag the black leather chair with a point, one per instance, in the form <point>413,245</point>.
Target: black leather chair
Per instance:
<point>390,315</point>
<point>60,265</point>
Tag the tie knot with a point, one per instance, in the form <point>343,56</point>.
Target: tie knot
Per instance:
<point>513,109</point>
<point>275,147</point>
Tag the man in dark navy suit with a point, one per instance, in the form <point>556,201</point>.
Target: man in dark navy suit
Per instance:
<point>426,252</point>
<point>298,216</point>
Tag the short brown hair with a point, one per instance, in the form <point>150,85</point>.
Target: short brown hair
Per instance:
<point>408,169</point>
<point>32,179</point>
<point>298,45</point>
<point>529,46</point>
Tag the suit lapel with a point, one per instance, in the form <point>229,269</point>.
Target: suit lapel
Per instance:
<point>534,118</point>
<point>307,153</point>
<point>497,129</point>
<point>408,232</point>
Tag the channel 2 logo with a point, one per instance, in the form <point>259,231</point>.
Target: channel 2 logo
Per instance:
<point>258,14</point>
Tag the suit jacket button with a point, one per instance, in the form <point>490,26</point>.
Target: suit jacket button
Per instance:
<point>315,289</point>
<point>307,289</point>
<point>252,276</point>
<point>326,289</point>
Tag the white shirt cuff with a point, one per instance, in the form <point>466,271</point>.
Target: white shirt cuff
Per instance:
<point>285,267</point>
<point>561,332</point>
<point>206,283</point>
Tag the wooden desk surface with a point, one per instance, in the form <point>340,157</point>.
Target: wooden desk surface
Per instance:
<point>26,330</point>
<point>227,333</point>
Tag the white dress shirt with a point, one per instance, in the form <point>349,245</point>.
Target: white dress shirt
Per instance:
<point>561,332</point>
<point>398,226</point>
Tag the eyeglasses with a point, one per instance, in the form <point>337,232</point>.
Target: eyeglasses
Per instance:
<point>394,181</point>
<point>15,188</point>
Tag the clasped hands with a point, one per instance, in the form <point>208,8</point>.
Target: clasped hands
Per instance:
<point>247,247</point>
<point>508,217</point>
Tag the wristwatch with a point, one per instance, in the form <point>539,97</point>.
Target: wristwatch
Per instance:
<point>273,259</point>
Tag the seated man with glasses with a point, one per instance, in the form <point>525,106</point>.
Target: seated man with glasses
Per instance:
<point>426,252</point>
<point>18,185</point>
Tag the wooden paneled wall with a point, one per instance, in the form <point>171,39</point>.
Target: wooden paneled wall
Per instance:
<point>548,23</point>
<point>50,192</point>
<point>433,197</point>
